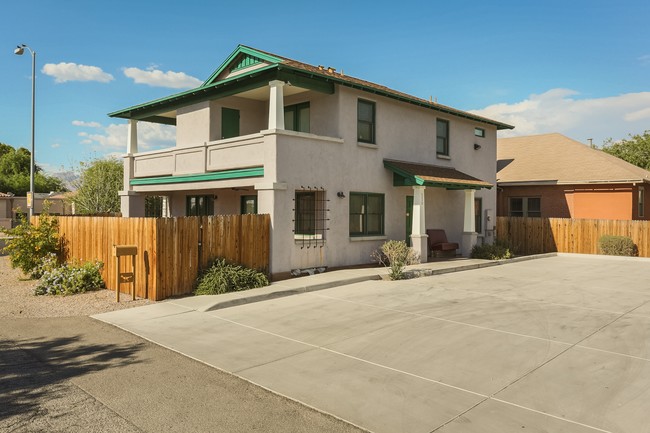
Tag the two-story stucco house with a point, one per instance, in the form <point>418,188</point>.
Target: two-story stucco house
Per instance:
<point>340,164</point>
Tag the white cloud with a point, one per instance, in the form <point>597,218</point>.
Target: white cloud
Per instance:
<point>158,78</point>
<point>561,110</point>
<point>86,124</point>
<point>63,72</point>
<point>111,140</point>
<point>55,146</point>
<point>645,59</point>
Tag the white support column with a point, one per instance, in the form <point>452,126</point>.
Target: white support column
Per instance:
<point>276,105</point>
<point>132,140</point>
<point>130,203</point>
<point>419,238</point>
<point>469,229</point>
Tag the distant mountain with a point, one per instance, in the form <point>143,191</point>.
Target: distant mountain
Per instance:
<point>67,177</point>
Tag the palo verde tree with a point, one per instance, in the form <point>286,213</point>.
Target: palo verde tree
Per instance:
<point>98,186</point>
<point>635,149</point>
<point>14,173</point>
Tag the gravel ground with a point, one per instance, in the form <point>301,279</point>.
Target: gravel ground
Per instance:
<point>17,298</point>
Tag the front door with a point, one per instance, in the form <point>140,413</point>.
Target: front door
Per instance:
<point>229,122</point>
<point>409,218</point>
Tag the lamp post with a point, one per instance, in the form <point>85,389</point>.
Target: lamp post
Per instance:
<point>20,49</point>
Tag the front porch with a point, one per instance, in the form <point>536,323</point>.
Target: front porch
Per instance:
<point>421,176</point>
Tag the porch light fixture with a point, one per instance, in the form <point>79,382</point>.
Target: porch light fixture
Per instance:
<point>20,49</point>
<point>477,146</point>
<point>340,194</point>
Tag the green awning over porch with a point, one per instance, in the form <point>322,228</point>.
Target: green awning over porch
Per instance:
<point>411,174</point>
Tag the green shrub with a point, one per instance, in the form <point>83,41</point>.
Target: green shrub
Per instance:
<point>496,251</point>
<point>223,277</point>
<point>395,255</point>
<point>30,244</point>
<point>617,246</point>
<point>69,278</point>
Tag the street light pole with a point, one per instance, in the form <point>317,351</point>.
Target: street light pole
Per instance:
<point>20,49</point>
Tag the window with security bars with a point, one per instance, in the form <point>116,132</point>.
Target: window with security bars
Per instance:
<point>310,217</point>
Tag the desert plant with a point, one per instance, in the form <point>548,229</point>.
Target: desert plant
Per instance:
<point>495,251</point>
<point>29,244</point>
<point>617,246</point>
<point>224,277</point>
<point>69,278</point>
<point>395,255</point>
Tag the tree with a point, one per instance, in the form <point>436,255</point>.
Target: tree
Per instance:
<point>635,149</point>
<point>98,186</point>
<point>14,173</point>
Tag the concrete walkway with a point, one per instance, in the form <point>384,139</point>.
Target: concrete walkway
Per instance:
<point>556,344</point>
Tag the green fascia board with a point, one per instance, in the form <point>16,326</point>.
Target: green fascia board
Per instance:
<point>202,177</point>
<point>239,50</point>
<point>192,96</point>
<point>399,97</point>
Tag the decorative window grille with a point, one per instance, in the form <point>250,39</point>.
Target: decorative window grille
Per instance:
<point>310,217</point>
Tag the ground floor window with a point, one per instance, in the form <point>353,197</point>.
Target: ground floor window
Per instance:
<point>526,206</point>
<point>248,204</point>
<point>199,205</point>
<point>310,217</point>
<point>641,202</point>
<point>366,214</point>
<point>478,213</point>
<point>153,206</point>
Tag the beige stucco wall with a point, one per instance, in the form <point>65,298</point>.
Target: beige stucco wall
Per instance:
<point>331,158</point>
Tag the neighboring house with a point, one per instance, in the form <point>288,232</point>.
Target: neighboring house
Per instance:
<point>552,175</point>
<point>11,206</point>
<point>339,163</point>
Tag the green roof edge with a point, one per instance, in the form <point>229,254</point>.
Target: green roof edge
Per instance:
<point>200,177</point>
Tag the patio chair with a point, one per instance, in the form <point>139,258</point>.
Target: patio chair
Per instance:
<point>439,246</point>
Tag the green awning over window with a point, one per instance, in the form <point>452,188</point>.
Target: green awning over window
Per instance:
<point>410,174</point>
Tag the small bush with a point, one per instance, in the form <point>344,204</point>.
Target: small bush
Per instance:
<point>617,246</point>
<point>30,244</point>
<point>395,255</point>
<point>496,251</point>
<point>223,277</point>
<point>69,278</point>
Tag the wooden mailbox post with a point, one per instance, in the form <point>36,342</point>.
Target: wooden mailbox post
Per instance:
<point>124,277</point>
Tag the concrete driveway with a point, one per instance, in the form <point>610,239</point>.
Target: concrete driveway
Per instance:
<point>559,344</point>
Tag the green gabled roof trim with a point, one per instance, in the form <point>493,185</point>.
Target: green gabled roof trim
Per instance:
<point>211,89</point>
<point>239,50</point>
<point>202,177</point>
<point>246,62</point>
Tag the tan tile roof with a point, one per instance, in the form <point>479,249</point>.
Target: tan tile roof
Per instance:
<point>340,76</point>
<point>437,174</point>
<point>556,158</point>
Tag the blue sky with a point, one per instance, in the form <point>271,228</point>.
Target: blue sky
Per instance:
<point>577,67</point>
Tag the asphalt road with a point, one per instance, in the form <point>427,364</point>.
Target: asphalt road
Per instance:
<point>76,374</point>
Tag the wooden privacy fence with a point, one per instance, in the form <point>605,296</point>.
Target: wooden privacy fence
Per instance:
<point>565,235</point>
<point>170,250</point>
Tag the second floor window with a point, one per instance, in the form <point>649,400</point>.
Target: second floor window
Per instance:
<point>366,121</point>
<point>442,137</point>
<point>296,117</point>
